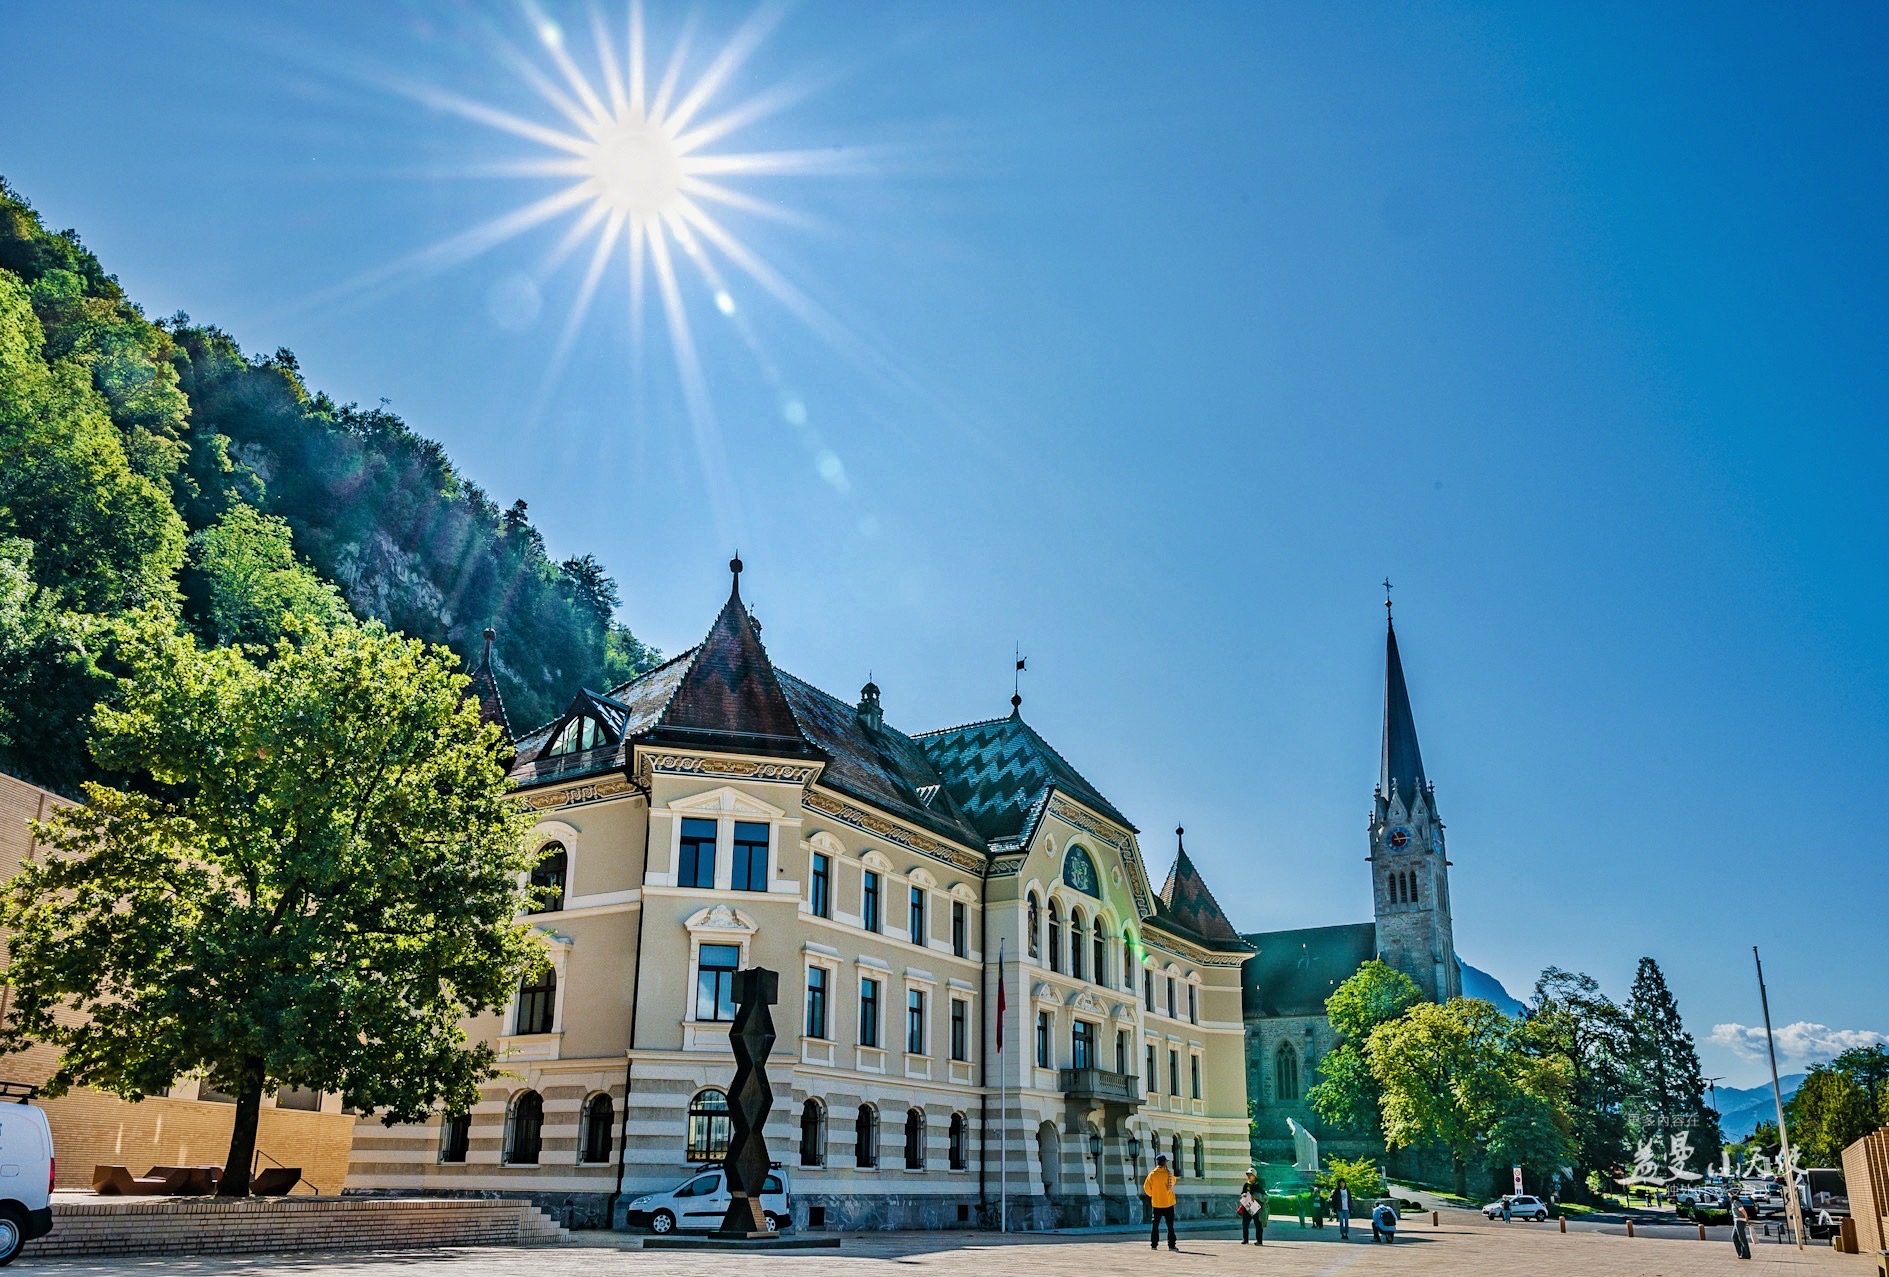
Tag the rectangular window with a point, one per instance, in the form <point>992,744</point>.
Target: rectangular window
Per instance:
<point>1174,1071</point>
<point>695,867</point>
<point>869,1012</point>
<point>816,1002</point>
<point>820,896</point>
<point>916,918</point>
<point>960,1029</point>
<point>960,930</point>
<point>1153,1078</point>
<point>1042,1039</point>
<point>1147,988</point>
<point>750,857</point>
<point>869,902</point>
<point>914,1021</point>
<point>1170,984</point>
<point>1193,1004</point>
<point>1193,1062</point>
<point>1082,1045</point>
<point>715,981</point>
<point>1121,1050</point>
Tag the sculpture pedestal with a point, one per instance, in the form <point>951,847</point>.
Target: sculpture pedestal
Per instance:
<point>752,1241</point>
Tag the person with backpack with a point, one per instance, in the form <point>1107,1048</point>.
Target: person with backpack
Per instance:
<point>1159,1186</point>
<point>1384,1222</point>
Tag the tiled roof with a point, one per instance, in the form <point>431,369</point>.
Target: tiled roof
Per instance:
<point>999,771</point>
<point>1186,905</point>
<point>1293,972</point>
<point>730,697</point>
<point>491,705</point>
<point>632,709</point>
<point>881,766</point>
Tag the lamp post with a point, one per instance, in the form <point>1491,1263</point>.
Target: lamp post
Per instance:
<point>1095,1151</point>
<point>1134,1155</point>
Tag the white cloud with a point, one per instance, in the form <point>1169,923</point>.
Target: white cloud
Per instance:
<point>1800,1043</point>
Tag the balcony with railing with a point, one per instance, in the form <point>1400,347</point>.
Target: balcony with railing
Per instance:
<point>1099,1085</point>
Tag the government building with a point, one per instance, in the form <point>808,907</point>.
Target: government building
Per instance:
<point>925,898</point>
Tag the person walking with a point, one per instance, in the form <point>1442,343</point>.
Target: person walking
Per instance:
<point>1341,1210</point>
<point>1254,1209</point>
<point>1384,1222</point>
<point>1318,1209</point>
<point>1507,1208</point>
<point>1742,1208</point>
<point>1159,1186</point>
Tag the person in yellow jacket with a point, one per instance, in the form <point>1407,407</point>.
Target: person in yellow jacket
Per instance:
<point>1159,1188</point>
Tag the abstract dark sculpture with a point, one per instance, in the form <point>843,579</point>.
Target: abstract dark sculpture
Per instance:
<point>749,1100</point>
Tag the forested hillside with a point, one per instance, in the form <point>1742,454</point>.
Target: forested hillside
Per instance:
<point>154,465</point>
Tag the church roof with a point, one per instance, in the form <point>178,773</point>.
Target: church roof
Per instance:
<point>1186,906</point>
<point>1293,972</point>
<point>999,772</point>
<point>484,689</point>
<point>1401,762</point>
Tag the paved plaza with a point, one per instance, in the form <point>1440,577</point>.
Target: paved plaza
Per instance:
<point>1462,1245</point>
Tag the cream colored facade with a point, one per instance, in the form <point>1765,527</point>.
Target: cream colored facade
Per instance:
<point>1034,1135</point>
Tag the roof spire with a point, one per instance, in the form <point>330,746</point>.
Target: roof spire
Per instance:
<point>1016,679</point>
<point>1400,762</point>
<point>734,566</point>
<point>490,636</point>
<point>1387,600</point>
<point>1180,847</point>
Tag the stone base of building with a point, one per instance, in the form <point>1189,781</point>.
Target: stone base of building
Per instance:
<point>574,1211</point>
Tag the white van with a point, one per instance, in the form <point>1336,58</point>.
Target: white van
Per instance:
<point>699,1203</point>
<point>26,1170</point>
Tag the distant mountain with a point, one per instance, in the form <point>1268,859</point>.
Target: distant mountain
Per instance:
<point>1742,1108</point>
<point>1478,983</point>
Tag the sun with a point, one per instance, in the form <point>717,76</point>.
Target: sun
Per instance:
<point>635,169</point>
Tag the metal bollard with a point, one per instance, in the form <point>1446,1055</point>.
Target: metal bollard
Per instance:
<point>1629,1228</point>
<point>1564,1223</point>
<point>1433,1219</point>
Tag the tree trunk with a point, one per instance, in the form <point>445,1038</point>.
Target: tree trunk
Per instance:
<point>1461,1170</point>
<point>235,1181</point>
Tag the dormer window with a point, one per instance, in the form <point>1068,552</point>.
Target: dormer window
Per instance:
<point>576,736</point>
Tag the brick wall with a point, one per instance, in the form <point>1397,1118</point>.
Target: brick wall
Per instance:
<point>1866,1176</point>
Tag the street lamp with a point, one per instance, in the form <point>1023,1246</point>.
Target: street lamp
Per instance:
<point>1134,1153</point>
<point>1095,1150</point>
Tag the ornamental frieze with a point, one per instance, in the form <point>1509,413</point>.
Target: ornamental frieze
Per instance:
<point>735,768</point>
<point>575,795</point>
<point>1071,814</point>
<point>1200,957</point>
<point>878,826</point>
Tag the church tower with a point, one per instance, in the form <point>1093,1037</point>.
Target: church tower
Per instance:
<point>1409,867</point>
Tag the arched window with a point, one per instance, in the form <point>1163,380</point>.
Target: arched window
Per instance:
<point>914,1139</point>
<point>1174,1154</point>
<point>524,1130</point>
<point>1032,919</point>
<point>1077,925</point>
<point>960,1155</point>
<point>813,1134</point>
<point>547,880</point>
<point>537,1001</point>
<point>454,1136</point>
<point>1128,960</point>
<point>1416,893</point>
<point>1286,1072</point>
<point>709,1126</point>
<point>1055,937</point>
<point>1200,1158</point>
<point>599,1116</point>
<point>578,735</point>
<point>866,1138</point>
<point>1100,948</point>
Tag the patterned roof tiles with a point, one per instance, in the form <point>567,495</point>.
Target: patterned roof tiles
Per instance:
<point>999,771</point>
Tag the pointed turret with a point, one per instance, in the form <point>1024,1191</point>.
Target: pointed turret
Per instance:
<point>730,697</point>
<point>484,689</point>
<point>1186,902</point>
<point>1401,763</point>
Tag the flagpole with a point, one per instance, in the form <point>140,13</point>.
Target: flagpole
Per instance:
<point>1003,1102</point>
<point>1793,1209</point>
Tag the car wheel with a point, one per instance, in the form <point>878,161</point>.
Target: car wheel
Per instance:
<point>1540,1216</point>
<point>12,1236</point>
<point>662,1222</point>
<point>773,1223</point>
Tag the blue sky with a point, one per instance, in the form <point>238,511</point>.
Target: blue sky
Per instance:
<point>1168,335</point>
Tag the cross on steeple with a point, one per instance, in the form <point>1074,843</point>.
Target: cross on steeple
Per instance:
<point>1387,596</point>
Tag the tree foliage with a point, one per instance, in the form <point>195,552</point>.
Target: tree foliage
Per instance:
<point>123,440</point>
<point>313,881</point>
<point>1568,1017</point>
<point>1830,1111</point>
<point>1664,1085</point>
<point>1348,1095</point>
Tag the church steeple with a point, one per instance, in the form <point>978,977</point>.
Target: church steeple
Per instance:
<point>1401,761</point>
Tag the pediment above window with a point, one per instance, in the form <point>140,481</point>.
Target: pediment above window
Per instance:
<point>721,917</point>
<point>725,800</point>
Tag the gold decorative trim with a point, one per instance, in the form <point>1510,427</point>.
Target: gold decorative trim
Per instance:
<point>734,768</point>
<point>576,795</point>
<point>873,823</point>
<point>1082,820</point>
<point>1193,953</point>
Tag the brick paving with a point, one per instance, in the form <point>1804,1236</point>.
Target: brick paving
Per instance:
<point>1462,1245</point>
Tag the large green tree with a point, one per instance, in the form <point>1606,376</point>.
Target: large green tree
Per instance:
<point>1665,1088</point>
<point>1348,1095</point>
<point>247,576</point>
<point>1570,1019</point>
<point>311,881</point>
<point>1830,1111</point>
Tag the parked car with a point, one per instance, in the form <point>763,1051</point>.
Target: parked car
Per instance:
<point>26,1170</point>
<point>1521,1206</point>
<point>699,1203</point>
